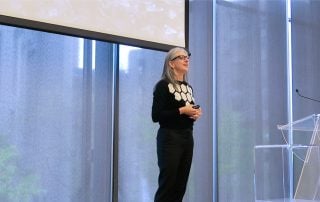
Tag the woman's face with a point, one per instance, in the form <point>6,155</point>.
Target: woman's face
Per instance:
<point>180,62</point>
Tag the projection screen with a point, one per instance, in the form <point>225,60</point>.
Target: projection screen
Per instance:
<point>158,24</point>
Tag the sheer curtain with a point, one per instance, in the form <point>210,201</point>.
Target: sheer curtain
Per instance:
<point>306,60</point>
<point>55,138</point>
<point>306,72</point>
<point>201,185</point>
<point>139,71</point>
<point>251,90</point>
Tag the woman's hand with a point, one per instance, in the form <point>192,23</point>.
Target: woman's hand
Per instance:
<point>197,114</point>
<point>191,112</point>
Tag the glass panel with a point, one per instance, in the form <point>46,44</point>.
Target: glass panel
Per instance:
<point>140,69</point>
<point>50,108</point>
<point>271,173</point>
<point>306,164</point>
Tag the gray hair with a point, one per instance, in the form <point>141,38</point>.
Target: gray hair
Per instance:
<point>168,73</point>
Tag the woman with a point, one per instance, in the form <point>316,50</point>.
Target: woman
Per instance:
<point>175,110</point>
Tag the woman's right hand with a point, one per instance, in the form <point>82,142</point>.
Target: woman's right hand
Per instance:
<point>191,112</point>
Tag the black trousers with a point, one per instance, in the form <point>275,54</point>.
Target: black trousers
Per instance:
<point>174,150</point>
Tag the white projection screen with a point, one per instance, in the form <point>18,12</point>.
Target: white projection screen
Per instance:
<point>158,24</point>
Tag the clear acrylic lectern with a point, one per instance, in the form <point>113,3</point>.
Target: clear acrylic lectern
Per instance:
<point>290,172</point>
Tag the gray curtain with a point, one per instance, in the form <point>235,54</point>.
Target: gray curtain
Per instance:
<point>201,184</point>
<point>306,56</point>
<point>251,91</point>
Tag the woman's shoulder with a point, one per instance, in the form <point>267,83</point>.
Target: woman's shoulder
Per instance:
<point>162,83</point>
<point>161,86</point>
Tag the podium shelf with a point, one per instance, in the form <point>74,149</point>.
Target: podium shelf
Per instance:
<point>309,123</point>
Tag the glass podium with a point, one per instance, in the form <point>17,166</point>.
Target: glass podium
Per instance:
<point>290,172</point>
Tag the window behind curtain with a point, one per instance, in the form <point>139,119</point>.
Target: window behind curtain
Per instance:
<point>55,128</point>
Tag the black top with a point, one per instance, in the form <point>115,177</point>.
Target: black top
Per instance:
<point>166,103</point>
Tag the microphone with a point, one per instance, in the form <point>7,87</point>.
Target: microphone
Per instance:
<point>297,91</point>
